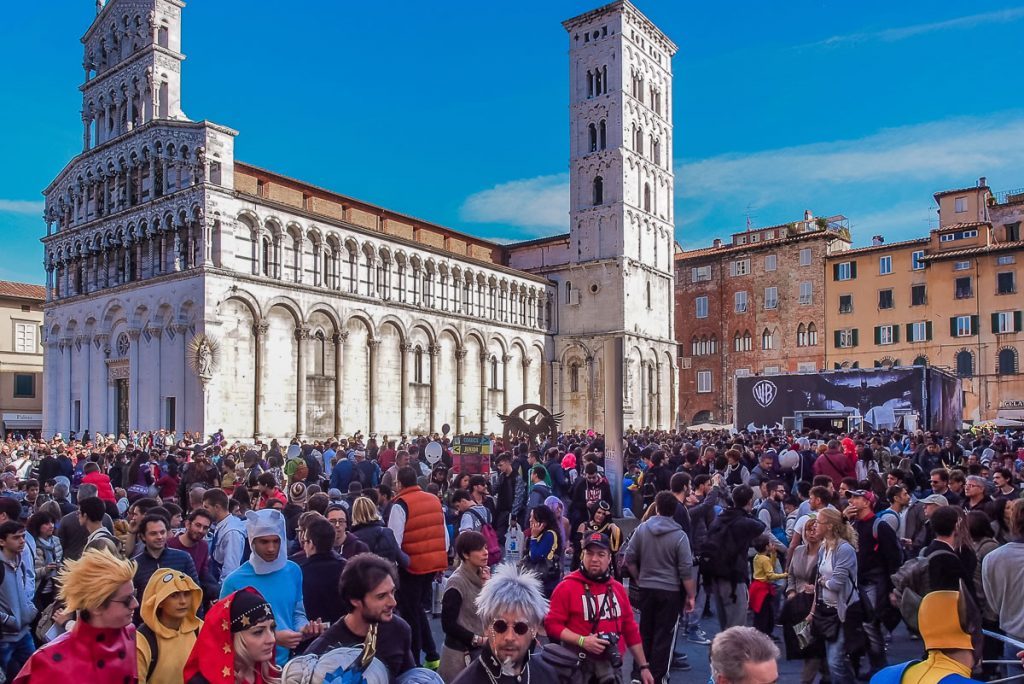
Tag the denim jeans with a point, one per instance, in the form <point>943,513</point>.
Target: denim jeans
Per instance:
<point>839,669</point>
<point>873,628</point>
<point>14,654</point>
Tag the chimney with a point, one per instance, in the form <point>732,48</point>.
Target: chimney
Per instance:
<point>717,243</point>
<point>808,215</point>
<point>982,182</point>
<point>877,240</point>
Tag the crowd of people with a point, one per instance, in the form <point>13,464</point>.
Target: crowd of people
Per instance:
<point>160,558</point>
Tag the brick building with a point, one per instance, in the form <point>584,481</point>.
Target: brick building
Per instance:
<point>752,306</point>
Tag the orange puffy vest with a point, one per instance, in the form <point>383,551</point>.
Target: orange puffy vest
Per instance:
<point>423,538</point>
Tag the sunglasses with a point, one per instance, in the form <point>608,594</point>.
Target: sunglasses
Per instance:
<point>501,626</point>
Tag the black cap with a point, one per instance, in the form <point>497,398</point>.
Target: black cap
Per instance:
<point>597,539</point>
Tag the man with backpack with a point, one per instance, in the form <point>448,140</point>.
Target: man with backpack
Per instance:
<point>723,560</point>
<point>878,557</point>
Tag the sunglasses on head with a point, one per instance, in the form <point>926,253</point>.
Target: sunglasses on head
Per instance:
<point>501,626</point>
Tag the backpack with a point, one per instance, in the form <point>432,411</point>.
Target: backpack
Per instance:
<point>146,632</point>
<point>718,555</point>
<point>911,583</point>
<point>494,550</point>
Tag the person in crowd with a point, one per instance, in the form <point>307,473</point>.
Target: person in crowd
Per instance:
<point>837,577</point>
<point>951,558</point>
<point>48,557</point>
<point>539,490</point>
<point>91,513</point>
<point>99,646</point>
<point>471,516</point>
<point>659,559</point>
<point>726,565</point>
<point>587,489</point>
<point>743,655</point>
<point>762,586</point>
<point>276,578</point>
<point>511,609</point>
<point>419,528</point>
<point>949,634</point>
<point>321,571</point>
<point>371,530</point>
<point>346,544</point>
<point>1003,481</point>
<point>170,624</point>
<point>800,592</point>
<point>834,463</point>
<point>1002,573</point>
<point>600,521</point>
<point>543,549</point>
<point>589,606</point>
<point>267,486</point>
<point>982,540</point>
<point>509,494</point>
<point>236,642</point>
<point>100,480</point>
<point>17,611</point>
<point>156,554</point>
<point>192,541</point>
<point>229,542</point>
<point>460,620</point>
<point>367,590</point>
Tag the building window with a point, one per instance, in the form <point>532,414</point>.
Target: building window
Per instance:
<point>885,334</point>
<point>805,256</point>
<point>741,301</point>
<point>647,197</point>
<point>917,260</point>
<point>884,265</point>
<point>702,307</point>
<point>918,295</point>
<point>1006,283</point>
<point>742,342</point>
<point>1013,232</point>
<point>592,130</point>
<point>740,267</point>
<point>812,335</point>
<point>845,304</point>
<point>885,299</point>
<point>846,270</point>
<point>961,265</point>
<point>1006,322</point>
<point>921,361</point>
<point>770,262</point>
<point>847,338</point>
<point>801,335</point>
<point>417,365</point>
<point>703,381</point>
<point>699,274</point>
<point>1005,260</point>
<point>494,373</point>
<point>171,413</point>
<point>602,134</point>
<point>771,298</point>
<point>921,331</point>
<point>806,293</point>
<point>962,288</point>
<point>964,364</point>
<point>960,205</point>
<point>25,338</point>
<point>1007,361</point>
<point>24,386</point>
<point>649,300</point>
<point>598,191</point>
<point>767,339</point>
<point>962,326</point>
<point>574,378</point>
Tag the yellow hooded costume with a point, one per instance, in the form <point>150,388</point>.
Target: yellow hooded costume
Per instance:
<point>167,663</point>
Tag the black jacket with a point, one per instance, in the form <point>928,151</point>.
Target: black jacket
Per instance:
<point>486,668</point>
<point>742,528</point>
<point>320,575</point>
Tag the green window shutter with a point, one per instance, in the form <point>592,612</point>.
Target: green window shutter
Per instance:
<point>975,323</point>
<point>835,271</point>
<point>896,333</point>
<point>856,337</point>
<point>836,334</point>
<point>928,330</point>
<point>995,322</point>
<point>910,332</point>
<point>853,270</point>
<point>952,326</point>
<point>878,334</point>
<point>1017,321</point>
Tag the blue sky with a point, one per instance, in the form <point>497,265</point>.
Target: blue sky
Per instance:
<point>456,112</point>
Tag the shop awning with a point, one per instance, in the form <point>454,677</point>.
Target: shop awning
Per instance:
<point>23,421</point>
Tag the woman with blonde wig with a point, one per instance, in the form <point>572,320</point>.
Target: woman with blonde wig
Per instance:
<point>100,646</point>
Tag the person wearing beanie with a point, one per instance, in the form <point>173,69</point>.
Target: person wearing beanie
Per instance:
<point>952,639</point>
<point>276,578</point>
<point>236,643</point>
<point>170,625</point>
<point>298,495</point>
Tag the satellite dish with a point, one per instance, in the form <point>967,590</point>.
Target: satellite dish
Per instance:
<point>445,429</point>
<point>433,452</point>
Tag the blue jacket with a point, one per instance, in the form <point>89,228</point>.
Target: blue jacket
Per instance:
<point>341,475</point>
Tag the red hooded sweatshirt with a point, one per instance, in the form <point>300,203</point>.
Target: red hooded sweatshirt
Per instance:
<point>570,608</point>
<point>103,487</point>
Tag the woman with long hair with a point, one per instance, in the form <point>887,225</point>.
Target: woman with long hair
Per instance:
<point>236,642</point>
<point>49,557</point>
<point>543,548</point>
<point>368,526</point>
<point>836,590</point>
<point>803,570</point>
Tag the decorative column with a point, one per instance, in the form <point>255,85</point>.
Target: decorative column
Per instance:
<point>435,356</point>
<point>339,376</point>
<point>374,345</point>
<point>155,332</point>
<point>556,387</point>
<point>259,331</point>
<point>404,349</point>
<point>526,361</point>
<point>133,378</point>
<point>301,335</point>
<point>86,341</point>
<point>101,421</point>
<point>504,382</point>
<point>591,389</point>
<point>657,395</point>
<point>460,361</point>
<point>483,390</point>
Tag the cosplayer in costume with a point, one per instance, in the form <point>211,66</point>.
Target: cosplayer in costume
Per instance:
<point>169,626</point>
<point>100,647</point>
<point>236,643</point>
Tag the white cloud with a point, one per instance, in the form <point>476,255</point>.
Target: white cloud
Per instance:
<point>541,202</point>
<point>904,32</point>
<point>8,206</point>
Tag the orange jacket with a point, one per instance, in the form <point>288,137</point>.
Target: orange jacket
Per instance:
<point>423,538</point>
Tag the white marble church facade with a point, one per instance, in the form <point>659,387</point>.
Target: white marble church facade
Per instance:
<point>325,314</point>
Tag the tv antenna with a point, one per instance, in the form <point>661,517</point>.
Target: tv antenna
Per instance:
<point>750,217</point>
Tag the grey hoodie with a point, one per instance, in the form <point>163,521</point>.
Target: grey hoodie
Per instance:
<point>660,550</point>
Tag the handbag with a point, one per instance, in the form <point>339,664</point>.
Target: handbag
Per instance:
<point>825,622</point>
<point>804,633</point>
<point>566,662</point>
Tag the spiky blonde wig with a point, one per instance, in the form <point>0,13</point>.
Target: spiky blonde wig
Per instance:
<point>511,590</point>
<point>86,583</point>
